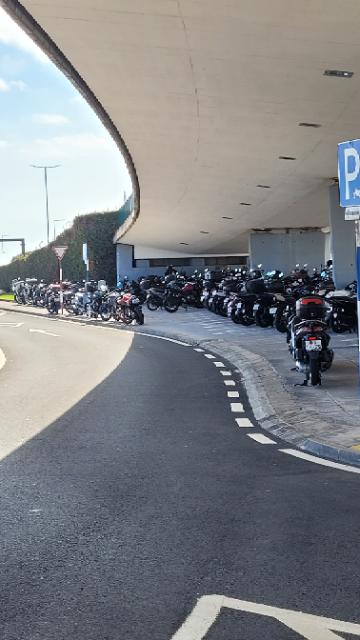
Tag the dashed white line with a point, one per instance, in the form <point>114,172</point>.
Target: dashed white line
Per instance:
<point>244,423</point>
<point>237,407</point>
<point>225,373</point>
<point>259,437</point>
<point>2,359</point>
<point>15,325</point>
<point>45,333</point>
<point>229,383</point>
<point>233,394</point>
<point>199,350</point>
<point>320,461</point>
<point>208,355</point>
<point>219,364</point>
<point>152,335</point>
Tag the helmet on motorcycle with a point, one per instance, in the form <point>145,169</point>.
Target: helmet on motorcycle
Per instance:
<point>255,273</point>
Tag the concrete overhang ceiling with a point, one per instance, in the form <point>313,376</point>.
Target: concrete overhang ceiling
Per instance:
<point>207,94</point>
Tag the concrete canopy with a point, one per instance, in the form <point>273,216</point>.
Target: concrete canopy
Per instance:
<point>207,94</point>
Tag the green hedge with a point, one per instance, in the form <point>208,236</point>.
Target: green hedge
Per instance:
<point>97,229</point>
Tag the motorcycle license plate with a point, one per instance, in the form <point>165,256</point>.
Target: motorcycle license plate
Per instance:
<point>239,305</point>
<point>313,345</point>
<point>256,306</point>
<point>273,310</point>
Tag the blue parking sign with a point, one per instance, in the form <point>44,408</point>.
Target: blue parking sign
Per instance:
<point>349,173</point>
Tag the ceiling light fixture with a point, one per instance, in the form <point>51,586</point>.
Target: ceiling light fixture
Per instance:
<point>309,124</point>
<point>287,158</point>
<point>338,74</point>
<point>226,218</point>
<point>263,186</point>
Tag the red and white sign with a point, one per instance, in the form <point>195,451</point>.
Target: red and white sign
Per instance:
<point>60,252</point>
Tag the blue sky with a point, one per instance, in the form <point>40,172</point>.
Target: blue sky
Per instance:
<point>43,120</point>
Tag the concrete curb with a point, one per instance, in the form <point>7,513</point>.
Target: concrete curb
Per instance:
<point>273,406</point>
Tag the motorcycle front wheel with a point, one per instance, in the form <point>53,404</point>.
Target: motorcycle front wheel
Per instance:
<point>127,316</point>
<point>246,320</point>
<point>280,323</point>
<point>337,327</point>
<point>235,317</point>
<point>152,305</point>
<point>263,318</point>
<point>171,306</point>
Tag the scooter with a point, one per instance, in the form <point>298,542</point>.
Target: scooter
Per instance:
<point>309,340</point>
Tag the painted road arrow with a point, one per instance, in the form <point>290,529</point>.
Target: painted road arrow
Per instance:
<point>311,627</point>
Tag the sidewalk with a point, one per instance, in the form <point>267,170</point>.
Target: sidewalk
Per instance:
<point>323,420</point>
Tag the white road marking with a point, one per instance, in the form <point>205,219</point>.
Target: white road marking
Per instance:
<point>219,364</point>
<point>199,350</point>
<point>308,626</point>
<point>229,383</point>
<point>151,335</point>
<point>208,355</point>
<point>225,373</point>
<point>232,394</point>
<point>259,437</point>
<point>15,325</point>
<point>45,333</point>
<point>244,423</point>
<point>237,407</point>
<point>2,359</point>
<point>320,461</point>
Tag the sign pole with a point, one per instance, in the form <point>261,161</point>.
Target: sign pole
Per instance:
<point>61,288</point>
<point>60,252</point>
<point>349,191</point>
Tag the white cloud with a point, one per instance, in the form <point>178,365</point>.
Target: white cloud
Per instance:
<point>67,146</point>
<point>18,84</point>
<point>11,34</point>
<point>50,118</point>
<point>3,144</point>
<point>4,85</point>
<point>78,99</point>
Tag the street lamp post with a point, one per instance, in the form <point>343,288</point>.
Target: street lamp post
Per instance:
<point>55,221</point>
<point>45,168</point>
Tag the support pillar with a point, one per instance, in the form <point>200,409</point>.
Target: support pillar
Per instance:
<point>342,242</point>
<point>124,261</point>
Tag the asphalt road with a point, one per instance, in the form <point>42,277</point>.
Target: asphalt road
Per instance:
<point>131,492</point>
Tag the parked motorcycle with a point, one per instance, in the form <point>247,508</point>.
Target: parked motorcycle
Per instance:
<point>309,340</point>
<point>129,309</point>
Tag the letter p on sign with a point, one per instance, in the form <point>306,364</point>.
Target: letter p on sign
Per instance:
<point>349,173</point>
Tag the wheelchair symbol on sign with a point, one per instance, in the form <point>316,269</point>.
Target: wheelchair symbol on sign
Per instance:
<point>208,609</point>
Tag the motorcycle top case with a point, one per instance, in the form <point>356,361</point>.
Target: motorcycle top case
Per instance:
<point>311,308</point>
<point>255,286</point>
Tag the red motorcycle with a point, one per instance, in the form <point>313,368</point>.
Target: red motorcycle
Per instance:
<point>128,309</point>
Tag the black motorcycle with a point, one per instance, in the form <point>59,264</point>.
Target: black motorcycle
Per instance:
<point>309,340</point>
<point>343,316</point>
<point>163,298</point>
